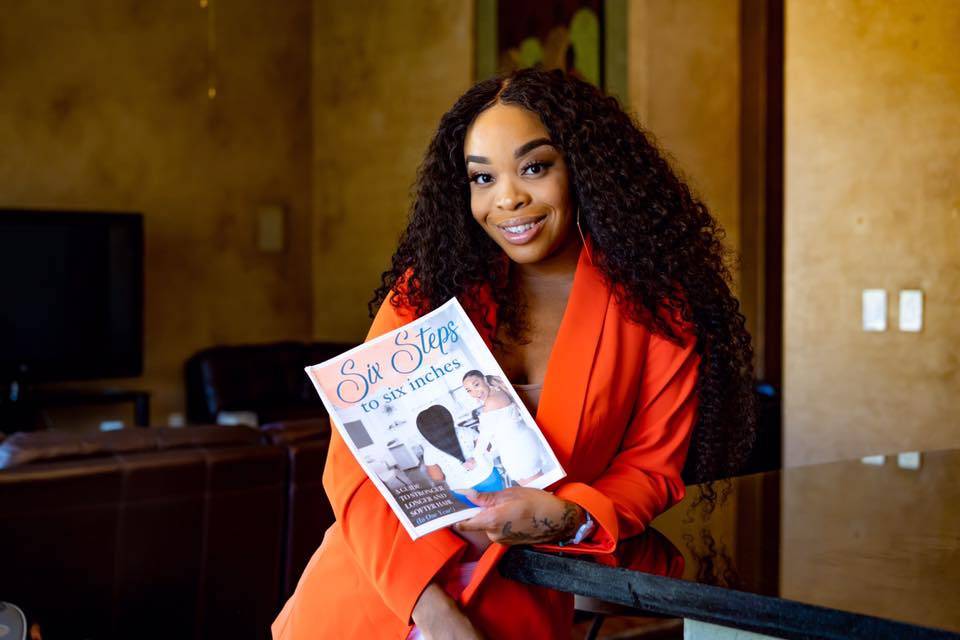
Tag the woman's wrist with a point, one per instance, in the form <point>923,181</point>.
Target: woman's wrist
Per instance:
<point>432,602</point>
<point>437,616</point>
<point>574,516</point>
<point>584,529</point>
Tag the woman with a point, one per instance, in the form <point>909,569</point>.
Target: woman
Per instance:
<point>503,432</point>
<point>592,271</point>
<point>445,461</point>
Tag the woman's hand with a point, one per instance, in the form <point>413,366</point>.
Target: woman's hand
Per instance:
<point>470,464</point>
<point>438,617</point>
<point>521,515</point>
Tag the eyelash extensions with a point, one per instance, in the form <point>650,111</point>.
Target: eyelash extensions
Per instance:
<point>538,163</point>
<point>474,177</point>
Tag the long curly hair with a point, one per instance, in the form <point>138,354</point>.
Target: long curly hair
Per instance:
<point>656,245</point>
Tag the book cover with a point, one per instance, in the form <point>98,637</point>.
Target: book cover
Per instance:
<point>431,418</point>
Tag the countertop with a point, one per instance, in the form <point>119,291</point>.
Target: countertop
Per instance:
<point>838,550</point>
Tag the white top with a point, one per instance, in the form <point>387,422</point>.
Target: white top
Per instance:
<point>503,433</point>
<point>455,474</point>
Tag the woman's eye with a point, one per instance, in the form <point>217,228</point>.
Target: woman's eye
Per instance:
<point>481,178</point>
<point>535,168</point>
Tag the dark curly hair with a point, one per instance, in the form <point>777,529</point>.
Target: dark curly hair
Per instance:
<point>657,246</point>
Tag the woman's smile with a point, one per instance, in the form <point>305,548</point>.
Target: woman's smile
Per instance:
<point>521,230</point>
<point>476,387</point>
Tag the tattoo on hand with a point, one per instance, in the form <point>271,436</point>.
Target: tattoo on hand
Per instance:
<point>547,529</point>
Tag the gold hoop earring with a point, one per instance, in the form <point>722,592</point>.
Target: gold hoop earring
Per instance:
<point>583,238</point>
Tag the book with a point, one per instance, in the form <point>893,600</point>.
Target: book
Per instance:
<point>429,415</point>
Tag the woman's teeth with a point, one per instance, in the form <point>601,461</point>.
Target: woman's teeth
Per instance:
<point>521,228</point>
<point>518,234</point>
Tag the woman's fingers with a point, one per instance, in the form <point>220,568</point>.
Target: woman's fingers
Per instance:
<point>486,499</point>
<point>490,519</point>
<point>495,519</point>
<point>480,522</point>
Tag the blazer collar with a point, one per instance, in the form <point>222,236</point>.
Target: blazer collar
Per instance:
<point>571,360</point>
<point>565,385</point>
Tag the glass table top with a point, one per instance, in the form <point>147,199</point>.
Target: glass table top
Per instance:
<point>836,550</point>
<point>877,540</point>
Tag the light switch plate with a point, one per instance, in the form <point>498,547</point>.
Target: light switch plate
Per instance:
<point>911,310</point>
<point>874,310</point>
<point>909,460</point>
<point>271,223</point>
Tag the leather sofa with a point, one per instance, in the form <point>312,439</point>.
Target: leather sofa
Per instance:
<point>308,512</point>
<point>160,533</point>
<point>266,380</point>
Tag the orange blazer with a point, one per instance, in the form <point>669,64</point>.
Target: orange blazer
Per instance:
<point>617,406</point>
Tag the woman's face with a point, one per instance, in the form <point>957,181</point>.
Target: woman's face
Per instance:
<point>519,187</point>
<point>476,387</point>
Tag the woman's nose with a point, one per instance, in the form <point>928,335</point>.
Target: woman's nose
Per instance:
<point>510,198</point>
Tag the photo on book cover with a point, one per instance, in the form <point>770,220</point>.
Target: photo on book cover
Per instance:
<point>431,418</point>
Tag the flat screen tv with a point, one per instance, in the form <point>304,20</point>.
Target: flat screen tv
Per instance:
<point>71,306</point>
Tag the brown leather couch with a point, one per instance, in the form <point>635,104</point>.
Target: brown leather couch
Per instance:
<point>308,512</point>
<point>159,533</point>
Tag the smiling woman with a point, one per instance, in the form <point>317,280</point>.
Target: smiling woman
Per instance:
<point>599,283</point>
<point>519,188</point>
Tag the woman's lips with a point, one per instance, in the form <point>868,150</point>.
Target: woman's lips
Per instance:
<point>521,231</point>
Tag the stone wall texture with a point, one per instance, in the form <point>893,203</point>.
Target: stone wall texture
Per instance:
<point>379,88</point>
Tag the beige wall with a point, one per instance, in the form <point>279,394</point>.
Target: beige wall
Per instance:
<point>872,201</point>
<point>379,88</point>
<point>683,76</point>
<point>103,105</point>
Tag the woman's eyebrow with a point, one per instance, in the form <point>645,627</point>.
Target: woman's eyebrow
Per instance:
<point>530,146</point>
<point>521,150</point>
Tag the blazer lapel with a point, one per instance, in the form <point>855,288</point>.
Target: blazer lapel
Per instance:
<point>565,385</point>
<point>571,361</point>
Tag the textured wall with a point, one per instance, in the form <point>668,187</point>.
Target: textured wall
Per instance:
<point>383,74</point>
<point>104,106</point>
<point>872,200</point>
<point>684,85</point>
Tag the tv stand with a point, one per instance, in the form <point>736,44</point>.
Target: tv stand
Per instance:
<point>23,404</point>
<point>78,397</point>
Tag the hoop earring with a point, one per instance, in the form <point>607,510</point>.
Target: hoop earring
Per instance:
<point>583,239</point>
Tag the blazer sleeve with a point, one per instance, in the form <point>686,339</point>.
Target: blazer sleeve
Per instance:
<point>399,568</point>
<point>643,479</point>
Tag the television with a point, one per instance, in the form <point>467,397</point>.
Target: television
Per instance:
<point>71,303</point>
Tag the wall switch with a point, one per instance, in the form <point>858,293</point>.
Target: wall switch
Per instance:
<point>911,310</point>
<point>874,310</point>
<point>909,460</point>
